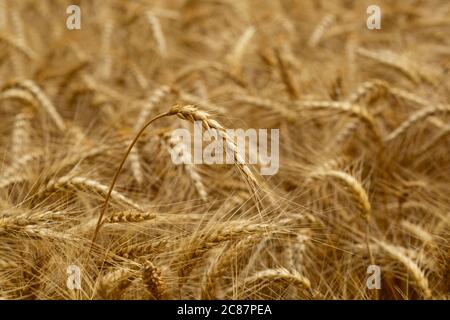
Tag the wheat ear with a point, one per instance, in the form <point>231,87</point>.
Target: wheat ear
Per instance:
<point>268,104</point>
<point>287,77</point>
<point>114,283</point>
<point>271,276</point>
<point>346,107</point>
<point>320,29</point>
<point>40,96</point>
<point>157,33</point>
<point>415,118</point>
<point>191,114</point>
<point>20,95</point>
<point>351,185</point>
<point>130,216</point>
<point>106,47</point>
<point>15,173</point>
<point>21,133</point>
<point>218,268</point>
<point>410,265</point>
<point>393,60</point>
<point>238,51</point>
<point>151,277</point>
<point>444,133</point>
<point>417,231</point>
<point>12,41</point>
<point>90,184</point>
<point>130,251</point>
<point>221,233</point>
<point>178,148</point>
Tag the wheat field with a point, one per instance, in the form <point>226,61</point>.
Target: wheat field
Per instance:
<point>363,183</point>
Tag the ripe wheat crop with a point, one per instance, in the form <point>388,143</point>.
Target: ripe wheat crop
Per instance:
<point>93,181</point>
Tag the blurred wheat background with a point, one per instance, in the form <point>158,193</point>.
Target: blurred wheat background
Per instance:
<point>364,174</point>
